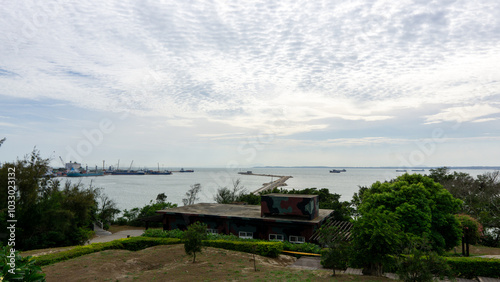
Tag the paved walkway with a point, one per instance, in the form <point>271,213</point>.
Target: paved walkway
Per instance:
<point>307,263</point>
<point>106,236</point>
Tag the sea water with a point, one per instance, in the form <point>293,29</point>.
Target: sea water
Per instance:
<point>129,191</point>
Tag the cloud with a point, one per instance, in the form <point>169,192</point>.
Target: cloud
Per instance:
<point>464,114</point>
<point>287,68</point>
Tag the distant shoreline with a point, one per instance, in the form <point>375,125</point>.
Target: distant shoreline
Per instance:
<point>388,167</point>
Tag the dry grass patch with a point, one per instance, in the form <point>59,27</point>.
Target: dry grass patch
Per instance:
<point>477,250</point>
<point>170,263</point>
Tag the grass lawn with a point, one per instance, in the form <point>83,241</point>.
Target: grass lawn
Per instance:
<point>476,250</point>
<point>170,263</point>
<point>112,229</point>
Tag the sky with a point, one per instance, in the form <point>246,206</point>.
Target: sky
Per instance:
<point>248,83</point>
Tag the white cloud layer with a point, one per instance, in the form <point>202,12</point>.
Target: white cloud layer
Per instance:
<point>224,69</point>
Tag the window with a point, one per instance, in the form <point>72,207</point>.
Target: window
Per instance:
<point>297,239</point>
<point>276,237</point>
<point>212,231</point>
<point>245,235</point>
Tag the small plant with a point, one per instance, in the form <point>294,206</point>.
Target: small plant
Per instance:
<point>194,236</point>
<point>24,267</point>
<point>418,264</point>
<point>336,252</point>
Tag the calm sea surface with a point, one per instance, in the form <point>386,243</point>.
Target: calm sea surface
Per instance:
<point>130,191</point>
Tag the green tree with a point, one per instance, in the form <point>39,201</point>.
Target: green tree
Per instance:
<point>192,194</point>
<point>194,236</point>
<point>480,196</point>
<point>409,208</point>
<point>107,208</point>
<point>250,199</point>
<point>356,201</point>
<point>418,264</point>
<point>47,216</point>
<point>227,196</point>
<point>336,253</point>
<point>376,235</point>
<point>472,231</point>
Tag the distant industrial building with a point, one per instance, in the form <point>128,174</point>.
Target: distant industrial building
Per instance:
<point>73,166</point>
<point>283,217</point>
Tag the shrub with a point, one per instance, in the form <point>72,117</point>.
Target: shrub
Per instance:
<point>24,269</point>
<point>420,264</point>
<point>304,248</point>
<point>193,238</point>
<point>158,233</point>
<point>468,267</point>
<point>263,248</point>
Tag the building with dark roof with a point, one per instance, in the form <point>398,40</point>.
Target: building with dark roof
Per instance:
<point>282,217</point>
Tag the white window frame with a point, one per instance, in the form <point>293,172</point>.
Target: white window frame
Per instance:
<point>212,231</point>
<point>276,237</point>
<point>297,239</point>
<point>245,235</point>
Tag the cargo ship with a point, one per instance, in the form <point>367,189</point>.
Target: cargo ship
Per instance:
<point>186,170</point>
<point>157,172</point>
<point>76,173</point>
<point>127,172</point>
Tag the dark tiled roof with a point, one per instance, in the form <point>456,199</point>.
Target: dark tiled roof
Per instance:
<point>240,211</point>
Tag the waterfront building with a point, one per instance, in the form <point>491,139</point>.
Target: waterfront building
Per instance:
<point>282,217</point>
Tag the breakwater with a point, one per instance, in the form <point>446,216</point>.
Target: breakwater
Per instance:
<point>271,185</point>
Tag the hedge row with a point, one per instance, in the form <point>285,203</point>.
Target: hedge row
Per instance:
<point>287,246</point>
<point>470,267</point>
<point>303,248</point>
<point>131,244</point>
<point>176,233</point>
<point>158,233</point>
<point>268,249</point>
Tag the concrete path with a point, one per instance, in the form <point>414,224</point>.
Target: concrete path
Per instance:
<point>104,237</point>
<point>307,263</point>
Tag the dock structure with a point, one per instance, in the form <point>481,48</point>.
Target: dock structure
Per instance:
<point>271,185</point>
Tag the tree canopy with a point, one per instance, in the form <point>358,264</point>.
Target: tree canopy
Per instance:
<point>409,208</point>
<point>480,196</point>
<point>192,195</point>
<point>194,236</point>
<point>48,214</point>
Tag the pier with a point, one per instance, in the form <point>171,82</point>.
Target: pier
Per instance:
<point>271,185</point>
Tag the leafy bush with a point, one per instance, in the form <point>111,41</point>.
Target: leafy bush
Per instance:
<point>24,269</point>
<point>193,238</point>
<point>468,267</point>
<point>131,244</point>
<point>419,264</point>
<point>269,249</point>
<point>337,250</point>
<point>132,217</point>
<point>158,233</point>
<point>231,237</point>
<point>177,233</point>
<point>304,248</point>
